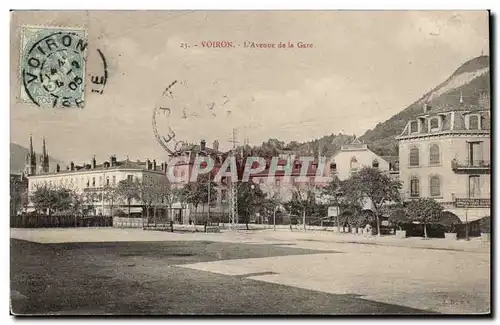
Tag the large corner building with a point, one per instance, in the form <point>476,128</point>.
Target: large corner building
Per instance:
<point>445,154</point>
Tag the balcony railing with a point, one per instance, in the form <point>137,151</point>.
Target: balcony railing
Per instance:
<point>471,165</point>
<point>473,202</point>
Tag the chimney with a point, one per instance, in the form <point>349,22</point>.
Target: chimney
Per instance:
<point>426,107</point>
<point>216,146</point>
<point>202,145</point>
<point>154,164</point>
<point>58,168</point>
<point>72,166</point>
<point>162,167</point>
<point>148,163</point>
<point>112,160</point>
<point>93,162</point>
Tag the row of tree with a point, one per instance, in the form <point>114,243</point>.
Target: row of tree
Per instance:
<point>50,199</point>
<point>364,198</point>
<point>369,188</point>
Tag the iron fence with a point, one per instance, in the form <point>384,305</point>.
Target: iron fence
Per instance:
<point>59,221</point>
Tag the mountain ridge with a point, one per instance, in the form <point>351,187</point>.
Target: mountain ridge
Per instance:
<point>18,159</point>
<point>472,86</point>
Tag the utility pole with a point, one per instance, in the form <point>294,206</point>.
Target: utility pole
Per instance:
<point>209,180</point>
<point>102,189</point>
<point>233,202</point>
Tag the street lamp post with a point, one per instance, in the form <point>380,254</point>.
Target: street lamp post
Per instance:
<point>466,225</point>
<point>338,194</point>
<point>466,221</point>
<point>208,215</point>
<point>102,189</point>
<point>274,217</point>
<point>252,187</point>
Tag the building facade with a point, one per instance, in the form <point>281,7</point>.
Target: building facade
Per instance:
<point>91,180</point>
<point>182,170</point>
<point>353,157</point>
<point>445,155</point>
<point>18,188</point>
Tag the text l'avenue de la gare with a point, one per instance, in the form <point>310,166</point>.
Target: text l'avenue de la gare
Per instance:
<point>226,44</point>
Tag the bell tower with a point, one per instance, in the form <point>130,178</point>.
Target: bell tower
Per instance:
<point>30,168</point>
<point>45,158</point>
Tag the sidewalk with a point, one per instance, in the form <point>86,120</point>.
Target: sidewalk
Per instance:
<point>260,236</point>
<point>473,245</point>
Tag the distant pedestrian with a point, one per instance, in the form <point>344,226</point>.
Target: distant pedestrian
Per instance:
<point>368,230</point>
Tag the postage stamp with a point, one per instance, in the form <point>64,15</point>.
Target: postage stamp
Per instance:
<point>52,66</point>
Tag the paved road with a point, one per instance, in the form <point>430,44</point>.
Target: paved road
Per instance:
<point>238,274</point>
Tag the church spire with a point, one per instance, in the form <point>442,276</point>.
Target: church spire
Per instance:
<point>31,145</point>
<point>45,158</point>
<point>44,149</point>
<point>31,159</point>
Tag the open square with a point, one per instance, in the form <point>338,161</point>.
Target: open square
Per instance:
<point>259,272</point>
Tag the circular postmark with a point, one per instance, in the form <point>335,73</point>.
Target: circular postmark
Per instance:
<point>53,67</point>
<point>185,110</point>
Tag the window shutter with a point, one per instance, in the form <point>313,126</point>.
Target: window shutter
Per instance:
<point>467,150</point>
<point>479,156</point>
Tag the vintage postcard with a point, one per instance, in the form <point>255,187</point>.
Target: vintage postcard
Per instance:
<point>250,163</point>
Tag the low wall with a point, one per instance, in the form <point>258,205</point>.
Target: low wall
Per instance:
<point>123,222</point>
<point>294,227</point>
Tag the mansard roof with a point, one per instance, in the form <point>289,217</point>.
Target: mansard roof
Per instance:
<point>450,119</point>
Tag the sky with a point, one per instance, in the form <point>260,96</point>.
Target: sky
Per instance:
<point>362,68</point>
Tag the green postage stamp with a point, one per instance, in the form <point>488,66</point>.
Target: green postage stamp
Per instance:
<point>52,66</point>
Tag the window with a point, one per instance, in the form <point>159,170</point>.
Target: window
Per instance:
<point>114,180</point>
<point>473,122</point>
<point>434,154</point>
<point>100,180</point>
<point>414,157</point>
<point>414,187</point>
<point>413,126</point>
<point>354,163</point>
<point>130,178</point>
<point>375,163</point>
<point>475,152</point>
<point>333,167</point>
<point>93,181</point>
<point>107,181</point>
<point>434,123</point>
<point>435,185</point>
<point>88,182</point>
<point>474,188</point>
<point>278,182</point>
